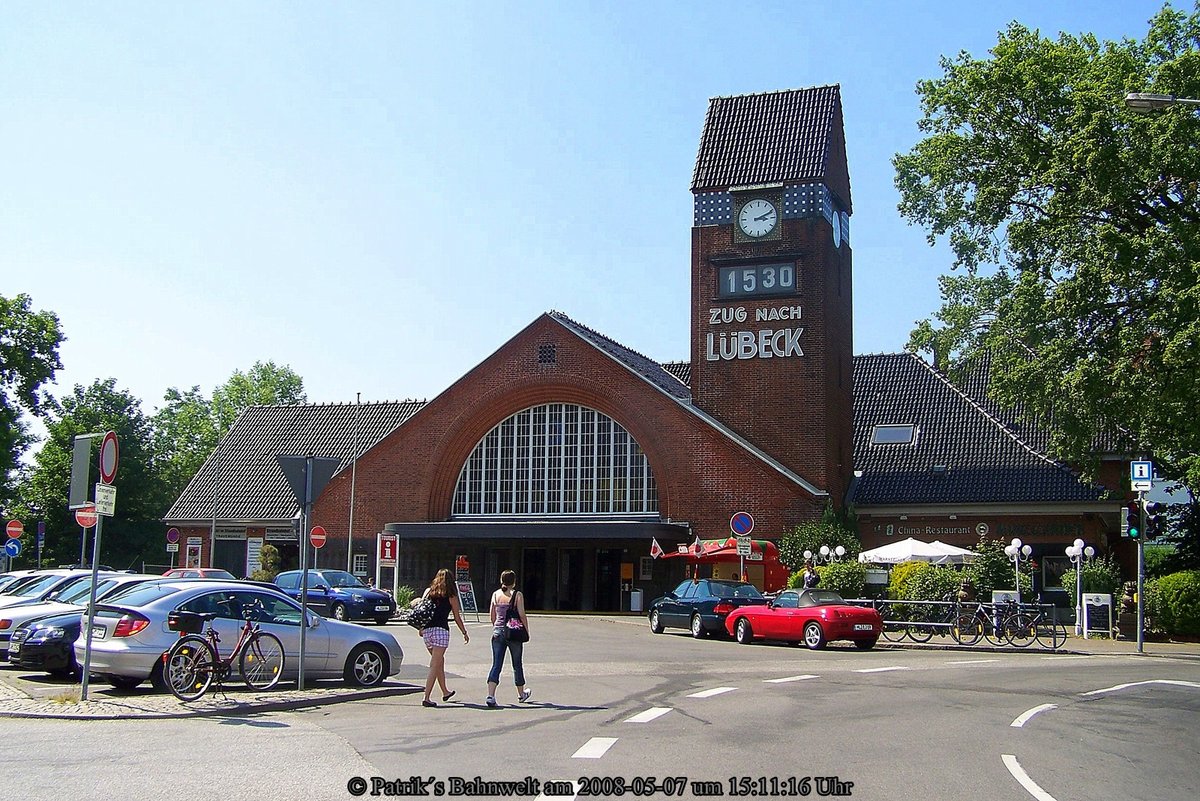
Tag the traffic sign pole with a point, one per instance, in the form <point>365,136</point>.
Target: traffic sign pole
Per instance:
<point>1141,572</point>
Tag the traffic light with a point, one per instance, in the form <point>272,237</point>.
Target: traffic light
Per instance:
<point>1133,519</point>
<point>1155,519</point>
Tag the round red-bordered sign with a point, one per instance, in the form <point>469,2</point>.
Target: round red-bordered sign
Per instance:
<point>109,453</point>
<point>15,529</point>
<point>172,534</point>
<point>86,516</point>
<point>317,537</point>
<point>741,523</point>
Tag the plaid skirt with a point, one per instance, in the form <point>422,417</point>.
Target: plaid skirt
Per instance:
<point>436,637</point>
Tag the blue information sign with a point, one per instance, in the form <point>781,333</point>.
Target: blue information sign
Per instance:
<point>12,547</point>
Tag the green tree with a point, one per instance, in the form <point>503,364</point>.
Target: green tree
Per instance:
<point>1077,224</point>
<point>185,433</point>
<point>811,536</point>
<point>135,532</point>
<point>29,343</point>
<point>993,570</point>
<point>264,384</point>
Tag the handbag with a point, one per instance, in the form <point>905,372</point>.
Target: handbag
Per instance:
<point>421,615</point>
<point>514,629</point>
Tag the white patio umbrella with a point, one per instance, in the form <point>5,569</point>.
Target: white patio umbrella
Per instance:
<point>909,550</point>
<point>955,555</point>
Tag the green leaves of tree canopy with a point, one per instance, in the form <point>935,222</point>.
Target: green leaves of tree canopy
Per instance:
<point>29,344</point>
<point>1077,222</point>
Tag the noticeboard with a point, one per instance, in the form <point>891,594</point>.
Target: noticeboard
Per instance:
<point>466,596</point>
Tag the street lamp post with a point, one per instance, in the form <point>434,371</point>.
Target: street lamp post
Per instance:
<point>1016,552</point>
<point>827,554</point>
<point>1146,102</point>
<point>1076,552</point>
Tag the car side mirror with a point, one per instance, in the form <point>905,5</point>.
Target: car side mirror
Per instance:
<point>316,622</point>
<point>321,588</point>
<point>672,596</point>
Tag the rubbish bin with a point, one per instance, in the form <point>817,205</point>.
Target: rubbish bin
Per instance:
<point>635,601</point>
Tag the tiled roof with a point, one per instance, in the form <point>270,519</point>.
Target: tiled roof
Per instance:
<point>242,477</point>
<point>681,370</point>
<point>974,378</point>
<point>644,366</point>
<point>961,453</point>
<point>775,136</point>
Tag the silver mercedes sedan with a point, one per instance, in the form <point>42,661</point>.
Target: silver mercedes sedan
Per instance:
<point>129,637</point>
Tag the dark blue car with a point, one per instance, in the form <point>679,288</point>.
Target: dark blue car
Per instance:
<point>340,595</point>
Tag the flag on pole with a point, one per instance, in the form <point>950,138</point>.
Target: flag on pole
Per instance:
<point>655,549</point>
<point>696,546</point>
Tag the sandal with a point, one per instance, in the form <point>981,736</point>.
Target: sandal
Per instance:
<point>448,696</point>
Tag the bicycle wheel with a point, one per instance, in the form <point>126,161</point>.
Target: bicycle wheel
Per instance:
<point>920,632</point>
<point>261,662</point>
<point>1019,629</point>
<point>993,630</point>
<point>967,629</point>
<point>189,668</point>
<point>894,631</point>
<point>1050,635</point>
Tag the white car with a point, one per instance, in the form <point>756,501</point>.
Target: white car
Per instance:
<point>46,583</point>
<point>130,635</point>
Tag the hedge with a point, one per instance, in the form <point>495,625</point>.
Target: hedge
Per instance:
<point>1174,602</point>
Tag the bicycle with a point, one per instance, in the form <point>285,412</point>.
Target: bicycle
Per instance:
<point>194,662</point>
<point>1024,626</point>
<point>970,627</point>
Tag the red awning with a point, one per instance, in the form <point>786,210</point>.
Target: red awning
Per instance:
<point>723,550</point>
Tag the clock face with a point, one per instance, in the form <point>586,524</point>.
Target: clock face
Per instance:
<point>836,220</point>
<point>758,218</point>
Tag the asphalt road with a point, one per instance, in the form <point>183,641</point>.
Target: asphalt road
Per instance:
<point>614,702</point>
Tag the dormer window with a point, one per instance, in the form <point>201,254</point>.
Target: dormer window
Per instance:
<point>894,434</point>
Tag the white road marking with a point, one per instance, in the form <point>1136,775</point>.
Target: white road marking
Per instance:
<point>1140,683</point>
<point>649,715</point>
<point>1018,773</point>
<point>1069,656</point>
<point>571,797</point>
<point>712,692</point>
<point>882,669</point>
<point>594,748</point>
<point>1025,716</point>
<point>972,661</point>
<point>790,678</point>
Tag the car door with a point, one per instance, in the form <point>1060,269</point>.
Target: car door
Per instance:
<point>779,621</point>
<point>320,595</point>
<point>282,618</point>
<point>700,601</point>
<point>670,612</point>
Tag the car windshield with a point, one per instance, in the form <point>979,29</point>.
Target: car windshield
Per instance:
<point>144,594</point>
<point>80,590</point>
<point>730,589</point>
<point>825,597</point>
<point>337,578</point>
<point>38,587</point>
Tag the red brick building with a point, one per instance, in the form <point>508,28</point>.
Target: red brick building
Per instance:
<point>565,454</point>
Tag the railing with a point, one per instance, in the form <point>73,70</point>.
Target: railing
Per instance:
<point>971,622</point>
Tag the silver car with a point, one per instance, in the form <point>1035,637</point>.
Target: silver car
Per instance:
<point>129,636</point>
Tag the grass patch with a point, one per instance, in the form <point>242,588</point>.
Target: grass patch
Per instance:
<point>65,697</point>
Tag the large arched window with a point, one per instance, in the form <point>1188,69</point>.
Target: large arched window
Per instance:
<point>556,459</point>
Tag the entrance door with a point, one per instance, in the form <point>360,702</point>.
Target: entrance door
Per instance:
<point>608,580</point>
<point>533,577</point>
<point>570,579</point>
<point>230,555</point>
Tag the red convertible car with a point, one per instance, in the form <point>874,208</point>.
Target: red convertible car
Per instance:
<point>813,617</point>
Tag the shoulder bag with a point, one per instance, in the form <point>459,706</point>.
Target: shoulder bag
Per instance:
<point>421,615</point>
<point>514,629</point>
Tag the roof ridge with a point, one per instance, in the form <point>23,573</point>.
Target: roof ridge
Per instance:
<point>778,91</point>
<point>564,316</point>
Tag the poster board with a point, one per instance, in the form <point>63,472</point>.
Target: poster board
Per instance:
<point>466,597</point>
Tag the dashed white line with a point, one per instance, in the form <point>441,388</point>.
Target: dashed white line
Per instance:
<point>712,692</point>
<point>972,661</point>
<point>882,669</point>
<point>790,678</point>
<point>594,748</point>
<point>1069,656</point>
<point>1024,717</point>
<point>1140,683</point>
<point>649,715</point>
<point>1018,773</point>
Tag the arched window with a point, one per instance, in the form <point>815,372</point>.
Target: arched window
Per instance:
<point>556,459</point>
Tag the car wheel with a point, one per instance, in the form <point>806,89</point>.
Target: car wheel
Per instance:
<point>656,625</point>
<point>157,680</point>
<point>866,645</point>
<point>814,638</point>
<point>745,635</point>
<point>339,612</point>
<point>62,673</point>
<point>366,666</point>
<point>697,627</point>
<point>381,621</point>
<point>125,683</point>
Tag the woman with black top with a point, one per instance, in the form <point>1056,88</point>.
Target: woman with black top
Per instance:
<point>436,635</point>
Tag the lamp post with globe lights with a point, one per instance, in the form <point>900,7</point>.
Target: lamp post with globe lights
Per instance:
<point>827,554</point>
<point>1017,552</point>
<point>1077,551</point>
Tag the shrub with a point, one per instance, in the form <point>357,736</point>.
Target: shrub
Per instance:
<point>1178,603</point>
<point>404,596</point>
<point>847,579</point>
<point>1098,575</point>
<point>270,561</point>
<point>900,577</point>
<point>993,570</point>
<point>811,536</point>
<point>1158,560</point>
<point>932,583</point>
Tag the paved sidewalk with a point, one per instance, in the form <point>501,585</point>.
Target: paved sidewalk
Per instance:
<point>31,695</point>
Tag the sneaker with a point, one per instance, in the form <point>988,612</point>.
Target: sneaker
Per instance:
<point>524,696</point>
<point>491,701</point>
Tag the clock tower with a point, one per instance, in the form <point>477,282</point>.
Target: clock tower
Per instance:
<point>771,340</point>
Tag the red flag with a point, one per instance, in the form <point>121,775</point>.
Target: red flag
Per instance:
<point>655,549</point>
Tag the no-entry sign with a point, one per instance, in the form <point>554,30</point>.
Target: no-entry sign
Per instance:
<point>108,458</point>
<point>317,537</point>
<point>15,529</point>
<point>87,516</point>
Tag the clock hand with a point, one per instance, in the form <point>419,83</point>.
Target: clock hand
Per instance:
<point>762,217</point>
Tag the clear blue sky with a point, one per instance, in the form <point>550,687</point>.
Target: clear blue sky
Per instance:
<point>379,195</point>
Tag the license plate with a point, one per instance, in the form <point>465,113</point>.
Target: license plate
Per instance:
<point>863,627</point>
<point>14,649</point>
<point>97,632</point>
<point>383,609</point>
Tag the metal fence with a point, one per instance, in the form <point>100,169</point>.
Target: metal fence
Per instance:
<point>970,623</point>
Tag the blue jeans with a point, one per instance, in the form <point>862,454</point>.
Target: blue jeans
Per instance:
<point>500,644</point>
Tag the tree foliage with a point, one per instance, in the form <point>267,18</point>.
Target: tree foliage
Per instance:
<point>29,343</point>
<point>811,536</point>
<point>1077,224</point>
<point>264,384</point>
